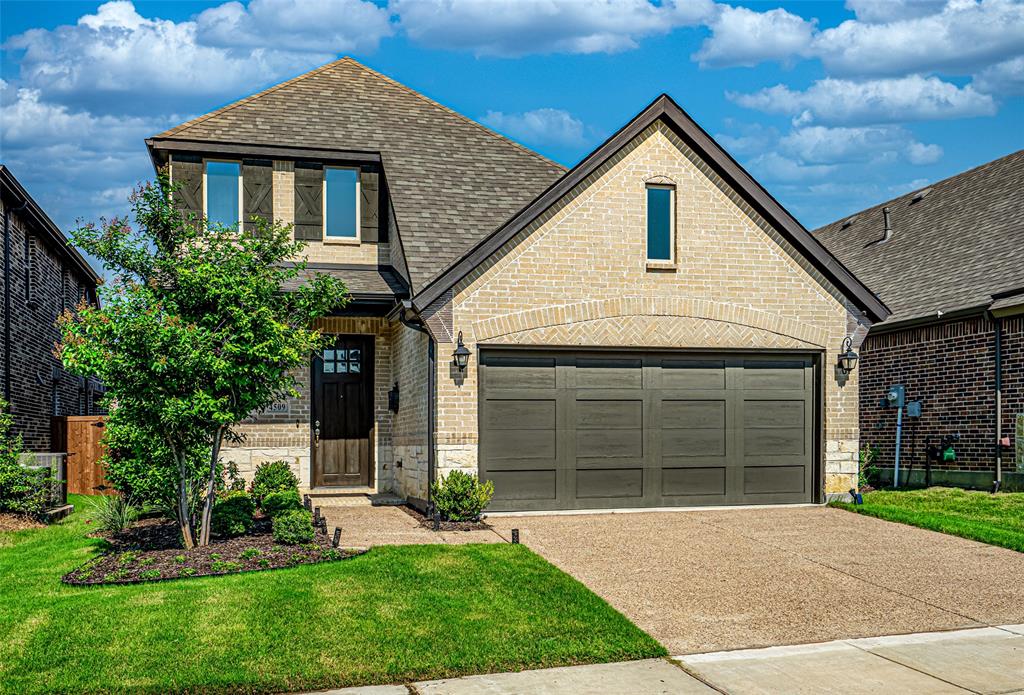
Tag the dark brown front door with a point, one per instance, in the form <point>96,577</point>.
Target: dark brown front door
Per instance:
<point>343,412</point>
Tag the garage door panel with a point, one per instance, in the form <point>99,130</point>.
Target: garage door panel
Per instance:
<point>606,373</point>
<point>705,480</point>
<point>610,482</point>
<point>774,374</point>
<point>693,414</point>
<point>693,442</point>
<point>774,441</point>
<point>520,414</point>
<point>693,374</point>
<point>773,479</point>
<point>774,413</point>
<point>609,443</point>
<point>519,444</point>
<point>524,485</point>
<point>520,372</point>
<point>605,414</point>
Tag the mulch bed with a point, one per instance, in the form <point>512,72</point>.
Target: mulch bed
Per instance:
<point>18,522</point>
<point>151,551</point>
<point>427,522</point>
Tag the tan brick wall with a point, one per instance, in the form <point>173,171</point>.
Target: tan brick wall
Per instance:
<point>409,365</point>
<point>578,276</point>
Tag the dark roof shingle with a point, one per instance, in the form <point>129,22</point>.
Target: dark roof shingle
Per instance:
<point>452,180</point>
<point>953,249</point>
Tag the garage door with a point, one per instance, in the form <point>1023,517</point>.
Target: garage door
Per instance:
<point>593,430</point>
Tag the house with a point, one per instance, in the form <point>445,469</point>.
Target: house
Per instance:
<point>948,260</point>
<point>44,275</point>
<point>648,329</point>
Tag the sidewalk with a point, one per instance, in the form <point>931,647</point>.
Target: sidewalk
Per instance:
<point>985,661</point>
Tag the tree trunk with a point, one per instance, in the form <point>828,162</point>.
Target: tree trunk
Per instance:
<point>204,528</point>
<point>183,514</point>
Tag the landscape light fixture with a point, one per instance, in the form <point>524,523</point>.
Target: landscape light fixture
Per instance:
<point>848,358</point>
<point>461,355</point>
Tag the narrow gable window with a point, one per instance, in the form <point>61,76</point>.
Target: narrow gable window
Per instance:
<point>223,193</point>
<point>341,203</point>
<point>660,222</point>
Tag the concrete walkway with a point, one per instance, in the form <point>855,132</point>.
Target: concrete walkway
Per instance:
<point>983,661</point>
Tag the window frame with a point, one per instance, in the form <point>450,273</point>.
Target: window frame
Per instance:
<point>357,239</point>
<point>206,189</point>
<point>671,260</point>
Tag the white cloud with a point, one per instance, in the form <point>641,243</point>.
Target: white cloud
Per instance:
<point>116,60</point>
<point>519,27</point>
<point>1004,79</point>
<point>845,102</point>
<point>965,36</point>
<point>772,166</point>
<point>329,26</point>
<point>874,144</point>
<point>919,153</point>
<point>881,11</point>
<point>740,36</point>
<point>538,127</point>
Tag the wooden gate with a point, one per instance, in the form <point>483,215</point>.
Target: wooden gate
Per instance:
<point>79,436</point>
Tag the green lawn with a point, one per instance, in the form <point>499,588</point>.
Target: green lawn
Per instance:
<point>394,614</point>
<point>995,519</point>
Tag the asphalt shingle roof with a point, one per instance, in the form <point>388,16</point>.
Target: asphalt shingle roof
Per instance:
<point>953,249</point>
<point>452,180</point>
<point>361,281</point>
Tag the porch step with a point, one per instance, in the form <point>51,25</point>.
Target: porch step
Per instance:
<point>339,496</point>
<point>386,499</point>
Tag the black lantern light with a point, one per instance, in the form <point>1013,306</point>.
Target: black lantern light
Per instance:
<point>461,355</point>
<point>848,358</point>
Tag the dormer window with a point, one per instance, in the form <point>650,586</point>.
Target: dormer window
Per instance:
<point>341,203</point>
<point>660,222</point>
<point>223,199</point>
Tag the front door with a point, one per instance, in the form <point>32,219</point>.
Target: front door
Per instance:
<point>343,412</point>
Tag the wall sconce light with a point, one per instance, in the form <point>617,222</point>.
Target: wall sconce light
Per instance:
<point>848,358</point>
<point>461,355</point>
<point>393,399</point>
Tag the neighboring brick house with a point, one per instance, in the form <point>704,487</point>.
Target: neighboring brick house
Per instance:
<point>951,269</point>
<point>650,328</point>
<point>44,275</point>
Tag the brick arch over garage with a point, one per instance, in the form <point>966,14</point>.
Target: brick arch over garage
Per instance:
<point>651,321</point>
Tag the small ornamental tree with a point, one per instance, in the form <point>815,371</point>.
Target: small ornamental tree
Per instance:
<point>194,334</point>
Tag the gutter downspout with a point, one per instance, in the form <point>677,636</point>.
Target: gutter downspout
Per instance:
<point>999,403</point>
<point>7,298</point>
<point>416,324</point>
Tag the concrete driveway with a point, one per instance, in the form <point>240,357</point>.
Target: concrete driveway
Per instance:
<point>703,581</point>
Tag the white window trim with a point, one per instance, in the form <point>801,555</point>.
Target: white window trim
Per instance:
<point>241,198</point>
<point>670,262</point>
<point>328,239</point>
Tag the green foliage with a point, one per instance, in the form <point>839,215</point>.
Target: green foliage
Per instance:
<point>22,490</point>
<point>149,574</point>
<point>867,471</point>
<point>250,553</point>
<point>272,476</point>
<point>294,527</point>
<point>225,566</point>
<point>461,496</point>
<point>233,514</point>
<point>233,481</point>
<point>276,503</point>
<point>113,513</point>
<point>195,331</point>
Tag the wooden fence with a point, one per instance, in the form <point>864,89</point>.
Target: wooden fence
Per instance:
<point>79,436</point>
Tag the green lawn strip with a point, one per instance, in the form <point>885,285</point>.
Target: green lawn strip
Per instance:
<point>980,516</point>
<point>396,614</point>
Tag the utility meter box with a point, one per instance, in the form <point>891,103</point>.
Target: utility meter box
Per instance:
<point>913,408</point>
<point>896,396</point>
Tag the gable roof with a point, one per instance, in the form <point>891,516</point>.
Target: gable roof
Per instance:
<point>452,181</point>
<point>665,109</point>
<point>954,249</point>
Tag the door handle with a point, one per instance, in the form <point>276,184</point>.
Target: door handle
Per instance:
<point>316,433</point>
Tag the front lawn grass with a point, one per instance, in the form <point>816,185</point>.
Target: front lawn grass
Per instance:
<point>994,519</point>
<point>395,614</point>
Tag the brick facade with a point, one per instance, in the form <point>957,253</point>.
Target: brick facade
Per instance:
<point>43,285</point>
<point>950,368</point>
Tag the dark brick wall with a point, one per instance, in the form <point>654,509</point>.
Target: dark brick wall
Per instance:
<point>42,286</point>
<point>950,368</point>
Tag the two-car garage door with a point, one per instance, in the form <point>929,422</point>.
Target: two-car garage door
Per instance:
<point>593,430</point>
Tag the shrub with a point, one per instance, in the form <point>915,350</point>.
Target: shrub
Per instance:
<point>461,496</point>
<point>22,490</point>
<point>113,513</point>
<point>867,472</point>
<point>232,514</point>
<point>272,476</point>
<point>276,503</point>
<point>294,527</point>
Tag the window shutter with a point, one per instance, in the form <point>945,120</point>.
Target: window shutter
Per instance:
<point>257,191</point>
<point>187,176</point>
<point>369,205</point>
<point>309,201</point>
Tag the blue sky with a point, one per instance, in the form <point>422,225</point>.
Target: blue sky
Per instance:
<point>833,106</point>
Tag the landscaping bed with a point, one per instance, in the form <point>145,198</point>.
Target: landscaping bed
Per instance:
<point>151,551</point>
<point>980,516</point>
<point>427,522</point>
